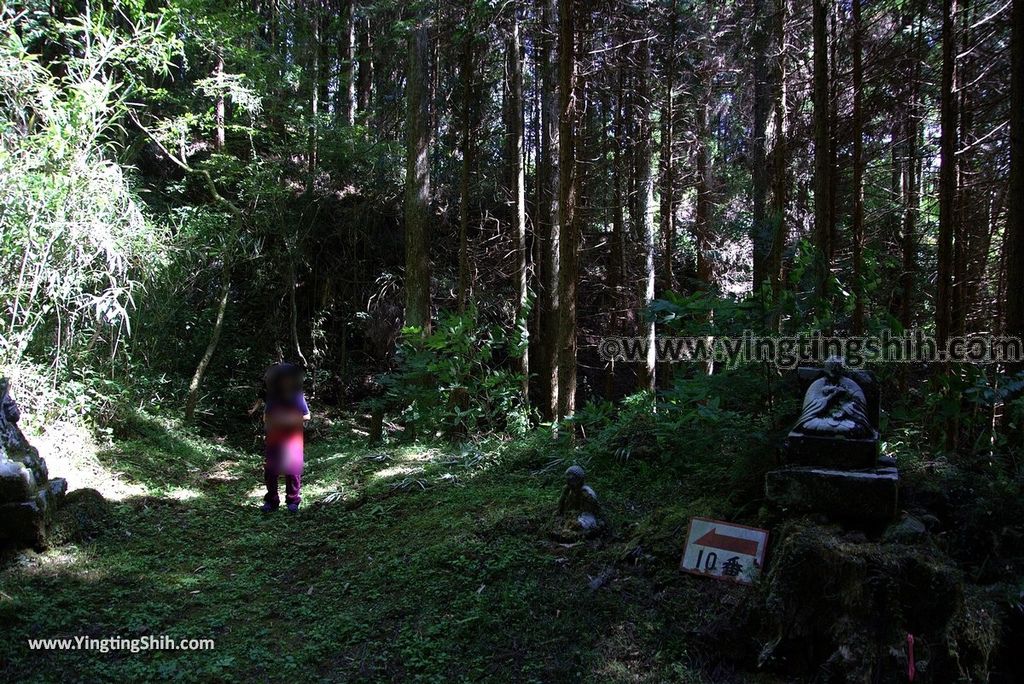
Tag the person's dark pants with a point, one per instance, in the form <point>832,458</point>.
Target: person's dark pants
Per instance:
<point>287,462</point>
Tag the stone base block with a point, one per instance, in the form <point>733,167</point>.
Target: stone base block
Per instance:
<point>868,496</point>
<point>17,482</point>
<point>25,522</point>
<point>832,452</point>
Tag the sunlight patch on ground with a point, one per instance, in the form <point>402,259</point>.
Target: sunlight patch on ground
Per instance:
<point>67,561</point>
<point>394,471</point>
<point>182,494</point>
<point>70,452</point>
<point>332,457</point>
<point>329,493</point>
<point>333,477</point>
<point>224,472</point>
<point>408,462</point>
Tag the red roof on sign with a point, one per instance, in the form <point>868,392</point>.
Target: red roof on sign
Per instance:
<point>747,547</point>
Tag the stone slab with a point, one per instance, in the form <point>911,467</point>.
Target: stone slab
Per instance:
<point>869,495</point>
<point>832,452</point>
<point>24,522</point>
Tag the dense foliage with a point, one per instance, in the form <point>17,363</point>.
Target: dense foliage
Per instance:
<point>228,184</point>
<point>76,240</point>
<point>440,210</point>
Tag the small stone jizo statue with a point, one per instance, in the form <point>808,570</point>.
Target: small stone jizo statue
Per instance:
<point>580,498</point>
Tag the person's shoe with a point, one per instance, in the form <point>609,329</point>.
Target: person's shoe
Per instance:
<point>293,508</point>
<point>268,507</point>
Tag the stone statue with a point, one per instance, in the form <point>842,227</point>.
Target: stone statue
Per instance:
<point>27,495</point>
<point>835,406</point>
<point>580,498</point>
<point>13,445</point>
<point>832,454</point>
<point>8,406</point>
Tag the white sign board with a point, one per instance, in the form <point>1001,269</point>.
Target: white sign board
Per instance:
<point>724,551</point>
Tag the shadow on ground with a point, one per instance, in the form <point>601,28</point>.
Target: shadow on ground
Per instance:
<point>404,563</point>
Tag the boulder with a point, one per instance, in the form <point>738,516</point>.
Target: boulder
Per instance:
<point>908,530</point>
<point>839,607</point>
<point>84,515</point>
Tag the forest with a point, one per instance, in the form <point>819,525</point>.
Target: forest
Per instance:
<point>469,234</point>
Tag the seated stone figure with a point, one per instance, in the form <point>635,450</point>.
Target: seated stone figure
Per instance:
<point>579,498</point>
<point>832,453</point>
<point>27,495</point>
<point>14,448</point>
<point>834,406</point>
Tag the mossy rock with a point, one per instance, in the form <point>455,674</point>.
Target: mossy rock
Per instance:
<point>83,516</point>
<point>840,605</point>
<point>976,632</point>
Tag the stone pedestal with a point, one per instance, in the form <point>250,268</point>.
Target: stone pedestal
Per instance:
<point>829,471</point>
<point>28,497</point>
<point>25,522</point>
<point>868,495</point>
<point>832,452</point>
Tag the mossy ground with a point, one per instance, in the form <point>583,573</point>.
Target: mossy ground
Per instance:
<point>407,562</point>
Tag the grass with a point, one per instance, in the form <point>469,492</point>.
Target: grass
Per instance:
<point>411,563</point>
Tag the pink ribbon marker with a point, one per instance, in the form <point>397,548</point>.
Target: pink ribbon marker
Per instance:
<point>911,670</point>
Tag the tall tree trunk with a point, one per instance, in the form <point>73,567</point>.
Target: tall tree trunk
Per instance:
<point>275,21</point>
<point>616,246</point>
<point>645,216</point>
<point>1015,209</point>
<point>822,220</point>
<point>910,191</point>
<point>313,50</point>
<point>761,230</point>
<point>323,55</point>
<point>538,354</point>
<point>780,164</point>
<point>219,106</point>
<point>569,237</point>
<point>986,225</point>
<point>667,210</point>
<point>616,252</point>
<point>833,137</point>
<point>346,96</point>
<point>948,182</point>
<point>666,193</point>
<point>858,172</point>
<point>947,174</point>
<point>467,146</point>
<point>702,211</point>
<point>417,181</point>
<point>548,215</point>
<point>517,188</point>
<point>965,204</point>
<point>365,62</point>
